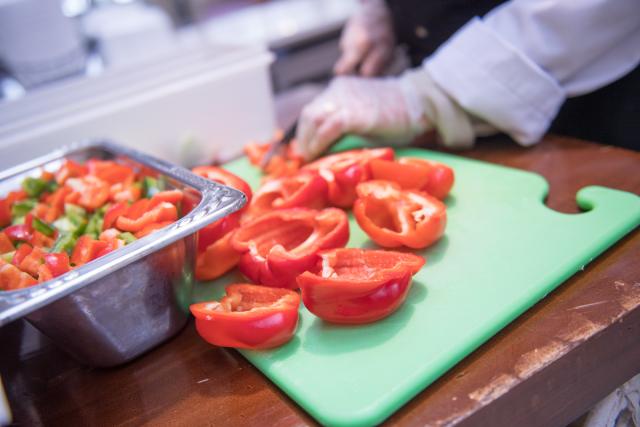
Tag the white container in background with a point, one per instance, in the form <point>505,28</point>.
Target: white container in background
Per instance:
<point>191,111</point>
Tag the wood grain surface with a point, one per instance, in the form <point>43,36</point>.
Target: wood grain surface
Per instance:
<point>545,369</point>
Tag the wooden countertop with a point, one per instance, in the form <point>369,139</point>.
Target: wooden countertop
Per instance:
<point>545,369</point>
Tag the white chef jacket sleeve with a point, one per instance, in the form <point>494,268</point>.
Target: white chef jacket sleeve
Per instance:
<point>515,67</point>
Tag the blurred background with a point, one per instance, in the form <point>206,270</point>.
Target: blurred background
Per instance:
<point>187,80</point>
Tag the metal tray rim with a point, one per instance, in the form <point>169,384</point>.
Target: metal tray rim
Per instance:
<point>18,303</point>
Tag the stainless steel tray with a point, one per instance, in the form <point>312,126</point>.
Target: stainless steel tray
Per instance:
<point>116,307</point>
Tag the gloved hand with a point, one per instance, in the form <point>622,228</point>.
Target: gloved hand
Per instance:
<point>392,110</point>
<point>367,41</point>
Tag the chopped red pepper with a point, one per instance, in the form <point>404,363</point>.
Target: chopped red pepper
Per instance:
<point>110,171</point>
<point>216,259</point>
<point>89,192</point>
<point>344,171</point>
<point>87,249</point>
<point>57,263</point>
<point>19,233</point>
<point>415,174</point>
<point>5,212</point>
<point>122,192</point>
<point>280,245</point>
<point>5,244</point>
<point>113,213</point>
<point>393,217</point>
<point>151,228</point>
<point>280,165</point>
<point>249,316</point>
<point>169,196</point>
<point>30,259</point>
<point>70,169</point>
<point>161,213</point>
<point>12,278</point>
<point>305,190</point>
<point>357,285</point>
<point>21,254</point>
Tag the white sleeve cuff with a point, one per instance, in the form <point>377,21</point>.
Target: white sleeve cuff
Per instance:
<point>492,80</point>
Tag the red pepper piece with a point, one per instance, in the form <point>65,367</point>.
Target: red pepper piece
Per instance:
<point>282,164</point>
<point>89,192</point>
<point>344,171</point>
<point>5,244</point>
<point>21,254</point>
<point>415,174</point>
<point>11,278</point>
<point>280,245</point>
<point>161,213</point>
<point>224,177</point>
<point>122,192</point>
<point>357,285</point>
<point>110,171</point>
<point>217,230</point>
<point>87,249</point>
<point>40,240</point>
<point>305,190</point>
<point>218,258</point>
<point>113,213</point>
<point>169,196</point>
<point>70,169</point>
<point>31,261</point>
<point>57,264</point>
<point>249,316</point>
<point>151,228</point>
<point>5,213</point>
<point>19,233</point>
<point>393,217</point>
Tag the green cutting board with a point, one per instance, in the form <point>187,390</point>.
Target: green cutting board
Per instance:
<point>503,250</point>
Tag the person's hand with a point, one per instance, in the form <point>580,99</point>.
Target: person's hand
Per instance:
<point>391,110</point>
<point>367,42</point>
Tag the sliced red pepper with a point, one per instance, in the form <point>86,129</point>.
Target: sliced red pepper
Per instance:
<point>87,249</point>
<point>5,212</point>
<point>249,316</point>
<point>357,285</point>
<point>12,278</point>
<point>89,192</point>
<point>121,192</point>
<point>169,196</point>
<point>137,209</point>
<point>306,190</point>
<point>344,171</point>
<point>70,169</point>
<point>280,245</point>
<point>282,164</point>
<point>415,174</point>
<point>110,171</point>
<point>151,228</point>
<point>5,244</point>
<point>161,213</point>
<point>113,213</point>
<point>57,263</point>
<point>218,258</point>
<point>393,217</point>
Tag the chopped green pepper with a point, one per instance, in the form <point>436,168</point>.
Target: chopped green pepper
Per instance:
<point>64,243</point>
<point>23,207</point>
<point>94,226</point>
<point>76,214</point>
<point>34,186</point>
<point>151,186</point>
<point>43,227</point>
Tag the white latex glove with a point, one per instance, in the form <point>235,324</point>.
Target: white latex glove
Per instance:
<point>392,110</point>
<point>367,41</point>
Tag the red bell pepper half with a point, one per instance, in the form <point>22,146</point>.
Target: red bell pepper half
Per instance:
<point>354,285</point>
<point>344,171</point>
<point>249,316</point>
<point>305,190</point>
<point>278,246</point>
<point>215,254</point>
<point>393,217</point>
<point>415,174</point>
